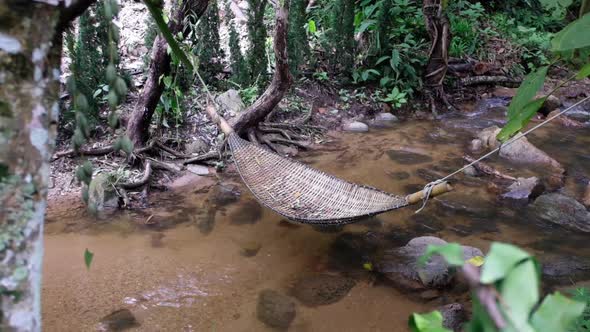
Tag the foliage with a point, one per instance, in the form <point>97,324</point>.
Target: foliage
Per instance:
<point>257,36</point>
<point>208,47</point>
<point>467,28</point>
<point>341,35</point>
<point>397,50</point>
<point>520,111</point>
<point>582,324</point>
<point>237,62</point>
<point>297,36</point>
<point>515,275</point>
<point>88,256</point>
<point>249,94</point>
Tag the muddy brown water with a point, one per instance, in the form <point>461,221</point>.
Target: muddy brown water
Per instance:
<point>198,267</point>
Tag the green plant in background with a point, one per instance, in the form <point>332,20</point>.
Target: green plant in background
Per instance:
<point>524,105</point>
<point>396,98</point>
<point>249,94</point>
<point>467,29</point>
<point>208,47</point>
<point>297,36</point>
<point>394,31</point>
<point>170,102</point>
<point>256,58</point>
<point>506,295</point>
<point>341,35</point>
<point>237,62</point>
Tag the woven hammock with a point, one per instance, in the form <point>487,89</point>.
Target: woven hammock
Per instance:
<point>302,193</point>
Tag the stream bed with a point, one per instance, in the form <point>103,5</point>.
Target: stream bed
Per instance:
<point>196,260</point>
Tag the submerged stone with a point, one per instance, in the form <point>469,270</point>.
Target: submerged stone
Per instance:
<point>562,210</point>
<point>322,289</point>
<point>119,320</point>
<point>356,127</point>
<point>275,309</point>
<point>407,157</point>
<point>247,212</point>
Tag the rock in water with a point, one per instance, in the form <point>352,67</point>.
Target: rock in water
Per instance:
<point>322,289</point>
<point>230,101</point>
<point>401,266</point>
<point>408,157</point>
<point>454,316</point>
<point>248,212</point>
<point>562,210</point>
<point>119,320</point>
<point>586,198</point>
<point>386,116</point>
<point>520,151</point>
<point>222,195</point>
<point>275,309</point>
<point>523,190</point>
<point>356,127</point>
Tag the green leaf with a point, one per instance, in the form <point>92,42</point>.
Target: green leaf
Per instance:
<point>556,313</point>
<point>574,35</point>
<point>451,252</point>
<point>518,121</point>
<point>430,322</point>
<point>584,72</point>
<point>527,90</point>
<point>381,59</point>
<point>365,25</point>
<point>163,27</point>
<point>311,27</point>
<point>500,261</point>
<point>88,256</point>
<point>520,290</point>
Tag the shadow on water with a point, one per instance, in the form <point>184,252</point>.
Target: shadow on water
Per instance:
<point>197,260</point>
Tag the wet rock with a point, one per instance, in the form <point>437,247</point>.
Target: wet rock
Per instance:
<point>466,204</point>
<point>504,92</point>
<point>322,289</point>
<point>356,127</point>
<point>566,121</point>
<point>454,316</point>
<point>206,221</point>
<point>198,169</point>
<point>328,228</point>
<point>275,309</point>
<point>475,145</point>
<point>386,117</point>
<point>196,146</point>
<point>564,270</point>
<point>562,210</point>
<point>399,175</point>
<point>428,175</point>
<point>471,171</point>
<point>224,194</point>
<point>523,190</point>
<point>192,180</point>
<point>520,151</point>
<point>230,101</point>
<point>250,249</point>
<point>119,320</point>
<point>401,266</point>
<point>551,104</point>
<point>248,212</point>
<point>351,250</point>
<point>586,197</point>
<point>429,294</point>
<point>408,157</point>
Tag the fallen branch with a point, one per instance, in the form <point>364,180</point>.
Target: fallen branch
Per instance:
<point>172,151</point>
<point>101,151</point>
<point>143,181</point>
<point>487,169</point>
<point>206,156</point>
<point>495,80</point>
<point>170,167</point>
<point>288,141</point>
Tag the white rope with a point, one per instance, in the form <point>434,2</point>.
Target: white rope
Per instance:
<point>428,188</point>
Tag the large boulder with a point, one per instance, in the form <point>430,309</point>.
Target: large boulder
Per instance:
<point>275,309</point>
<point>230,101</point>
<point>562,210</point>
<point>401,266</point>
<point>519,151</point>
<point>563,270</point>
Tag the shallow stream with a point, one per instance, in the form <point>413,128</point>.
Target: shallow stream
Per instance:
<point>192,262</point>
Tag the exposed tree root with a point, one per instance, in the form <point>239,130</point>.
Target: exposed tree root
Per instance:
<point>203,157</point>
<point>491,80</point>
<point>141,182</point>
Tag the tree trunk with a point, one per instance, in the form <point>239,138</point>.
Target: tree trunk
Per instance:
<point>139,121</point>
<point>29,77</point>
<point>281,80</point>
<point>438,27</point>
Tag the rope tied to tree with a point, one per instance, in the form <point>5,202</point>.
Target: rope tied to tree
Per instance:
<point>428,187</point>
